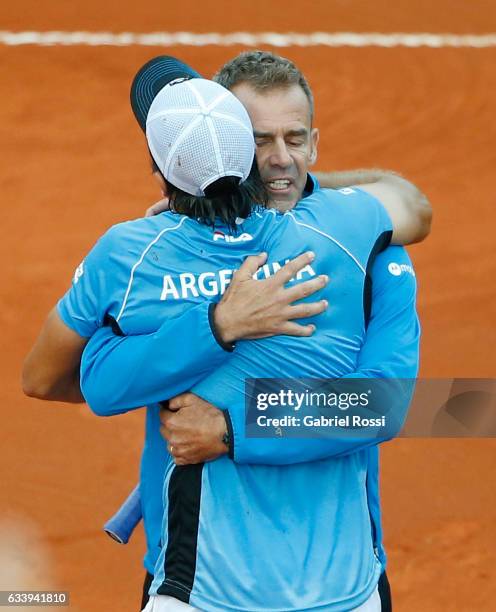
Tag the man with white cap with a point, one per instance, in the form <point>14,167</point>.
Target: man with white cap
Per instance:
<point>179,286</point>
<point>392,338</point>
<point>186,284</point>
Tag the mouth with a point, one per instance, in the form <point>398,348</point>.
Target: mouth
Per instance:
<point>279,185</point>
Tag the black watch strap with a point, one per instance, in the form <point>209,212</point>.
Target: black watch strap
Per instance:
<point>227,346</point>
<point>228,437</point>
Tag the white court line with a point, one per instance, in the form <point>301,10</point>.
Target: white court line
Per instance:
<point>248,39</point>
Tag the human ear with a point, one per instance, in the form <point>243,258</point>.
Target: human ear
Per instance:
<point>314,140</point>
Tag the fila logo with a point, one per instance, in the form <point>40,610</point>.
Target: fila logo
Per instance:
<point>218,235</point>
<point>397,269</point>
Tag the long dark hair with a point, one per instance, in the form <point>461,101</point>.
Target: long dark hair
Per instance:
<point>225,200</point>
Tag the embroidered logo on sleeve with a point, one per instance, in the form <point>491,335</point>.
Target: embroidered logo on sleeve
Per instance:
<point>79,272</point>
<point>397,269</point>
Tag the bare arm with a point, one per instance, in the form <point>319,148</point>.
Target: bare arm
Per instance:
<point>408,207</point>
<point>51,369</point>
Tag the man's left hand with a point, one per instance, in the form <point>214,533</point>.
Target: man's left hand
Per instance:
<point>193,429</point>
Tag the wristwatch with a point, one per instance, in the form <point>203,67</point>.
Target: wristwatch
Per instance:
<point>226,439</point>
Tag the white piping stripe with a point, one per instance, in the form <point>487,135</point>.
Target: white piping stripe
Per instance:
<point>131,277</point>
<point>250,39</point>
<point>196,93</point>
<point>233,120</point>
<point>215,142</point>
<point>217,100</point>
<point>330,238</point>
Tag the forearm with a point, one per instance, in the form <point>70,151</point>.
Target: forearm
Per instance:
<point>407,205</point>
<point>120,373</point>
<point>289,451</point>
<point>68,390</point>
<point>51,369</point>
<point>390,352</point>
<point>389,398</point>
<point>47,385</point>
<point>346,178</point>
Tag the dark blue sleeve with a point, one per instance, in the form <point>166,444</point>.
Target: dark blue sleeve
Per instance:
<point>390,350</point>
<point>120,373</point>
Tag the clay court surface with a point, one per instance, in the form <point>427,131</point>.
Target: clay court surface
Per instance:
<point>73,163</point>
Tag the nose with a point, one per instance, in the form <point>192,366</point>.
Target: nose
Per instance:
<point>279,155</point>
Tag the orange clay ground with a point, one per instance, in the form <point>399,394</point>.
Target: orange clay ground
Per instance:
<point>73,163</point>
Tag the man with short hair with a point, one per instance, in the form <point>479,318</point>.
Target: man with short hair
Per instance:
<point>285,143</point>
<point>281,107</point>
<point>266,83</point>
<point>285,186</point>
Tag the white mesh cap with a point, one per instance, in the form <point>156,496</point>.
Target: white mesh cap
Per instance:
<point>198,132</point>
